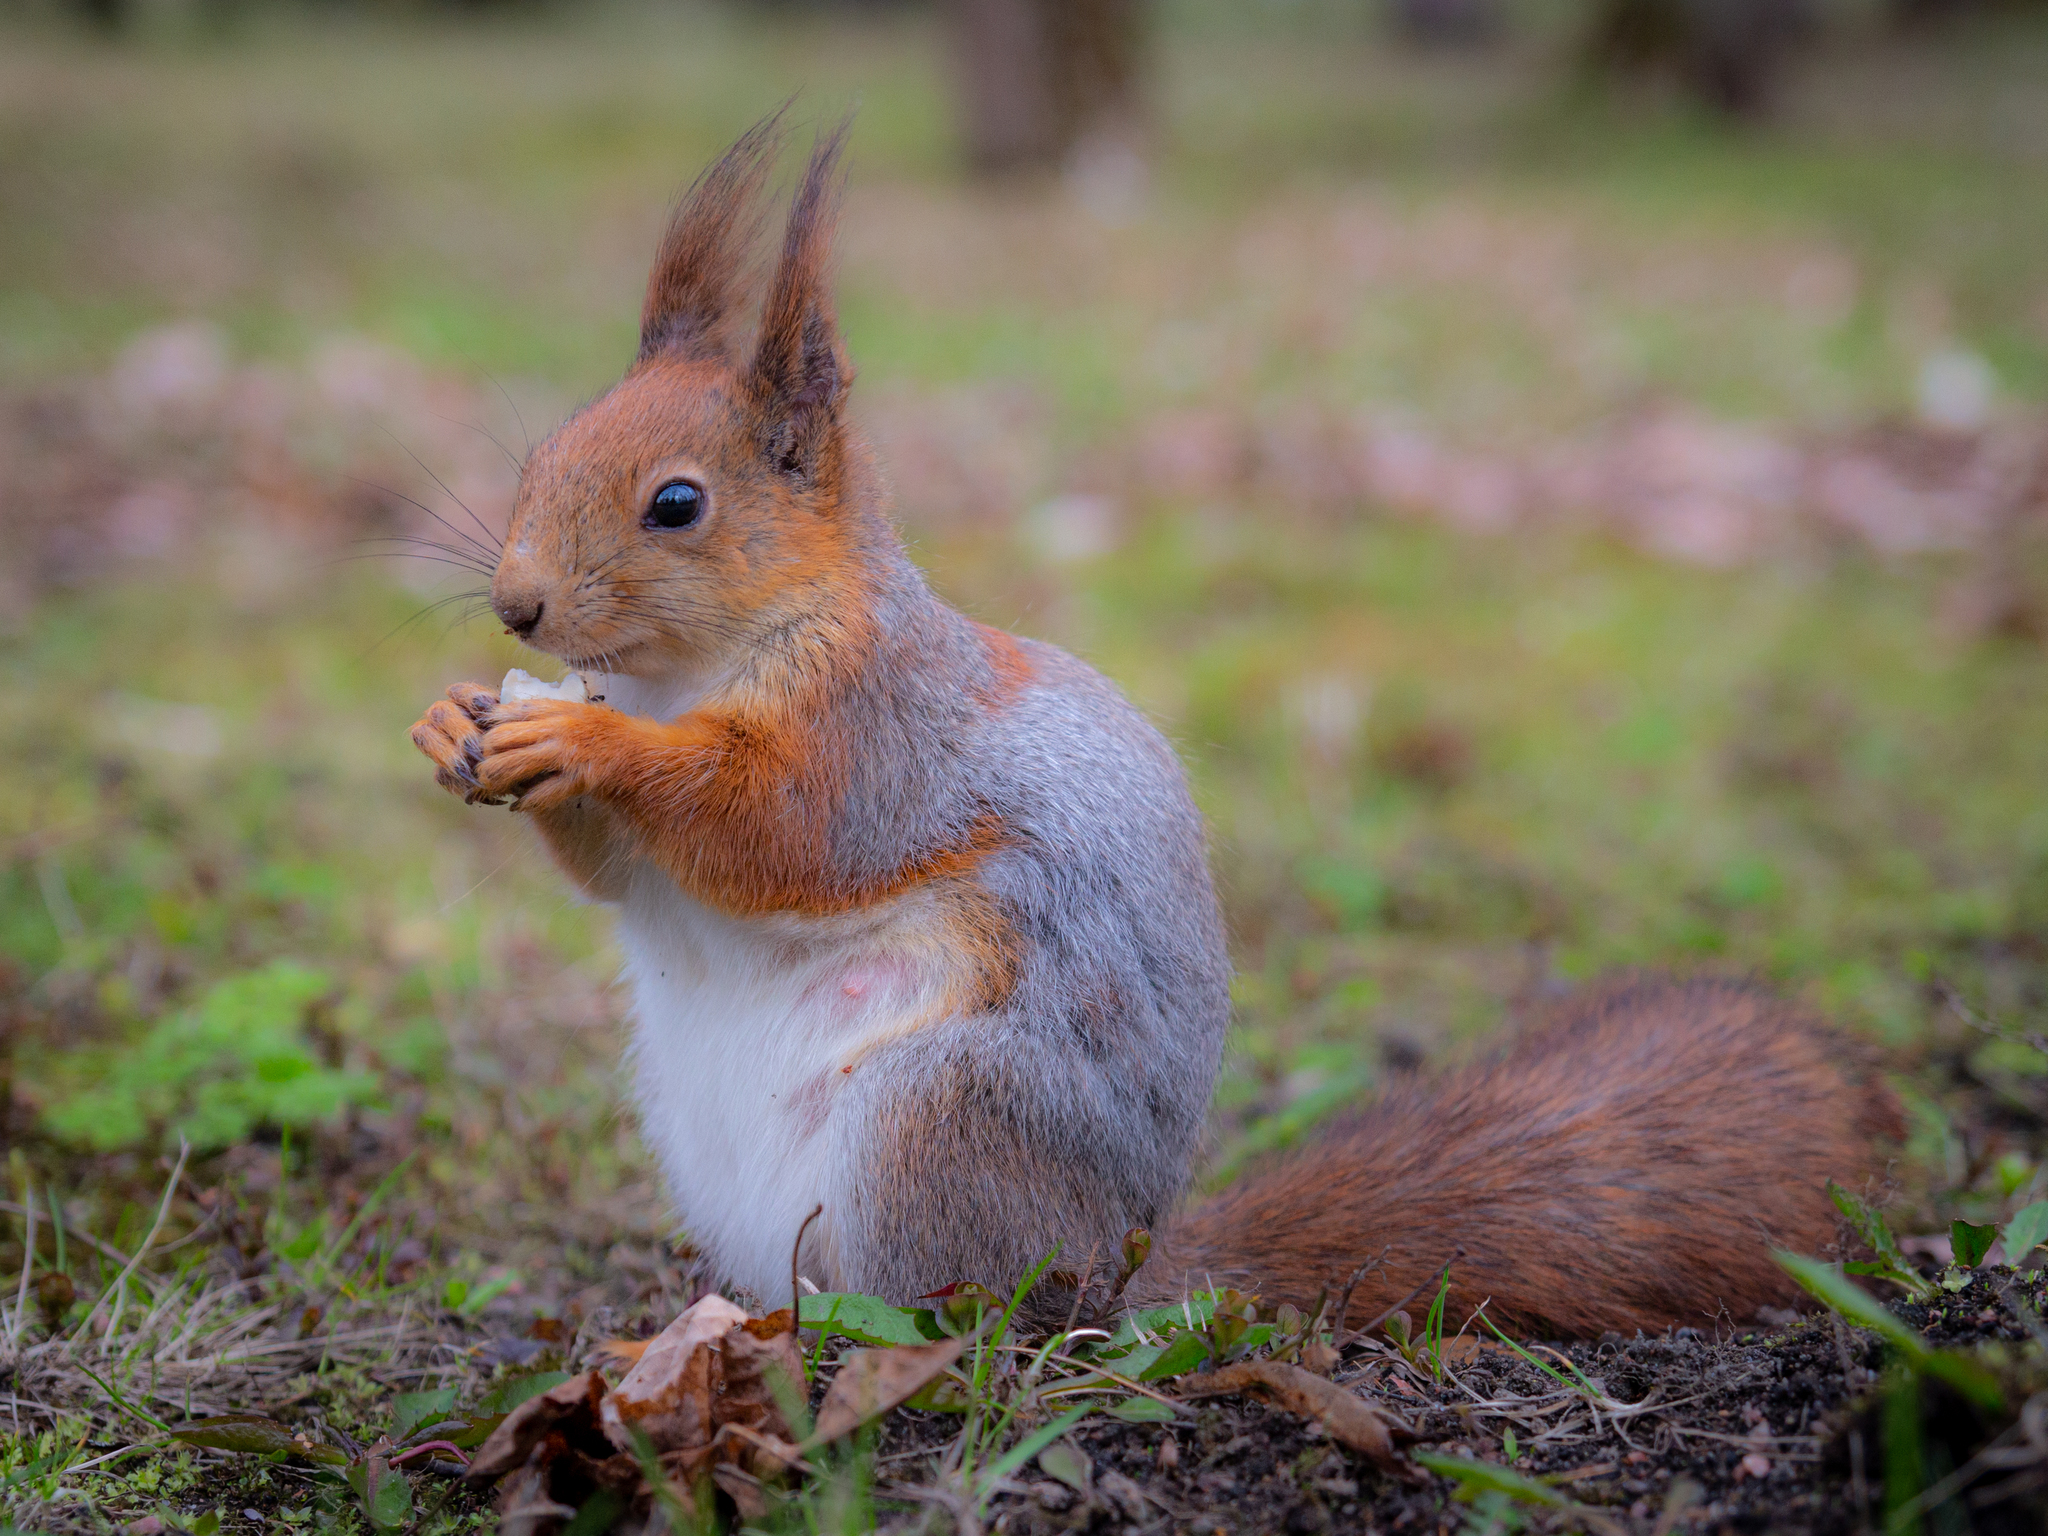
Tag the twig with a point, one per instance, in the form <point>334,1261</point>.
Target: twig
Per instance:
<point>1978,1021</point>
<point>1093,1369</point>
<point>795,1295</point>
<point>1436,1279</point>
<point>28,1263</point>
<point>126,1450</point>
<point>1754,1442</point>
<point>162,1210</point>
<point>1337,1339</point>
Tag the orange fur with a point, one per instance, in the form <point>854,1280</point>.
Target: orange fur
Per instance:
<point>732,805</point>
<point>1012,668</point>
<point>1628,1165</point>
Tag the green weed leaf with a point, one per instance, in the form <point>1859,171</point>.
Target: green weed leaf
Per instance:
<point>1905,1452</point>
<point>1478,1480</point>
<point>249,1433</point>
<point>1890,1264</point>
<point>409,1410</point>
<point>1137,1249</point>
<point>383,1492</point>
<point>2026,1231</point>
<point>474,1301</point>
<point>1186,1352</point>
<point>866,1319</point>
<point>1970,1243</point>
<point>252,1434</point>
<point>1142,1410</point>
<point>510,1394</point>
<point>1473,1476</point>
<point>1064,1460</point>
<point>477,1429</point>
<point>1027,1448</point>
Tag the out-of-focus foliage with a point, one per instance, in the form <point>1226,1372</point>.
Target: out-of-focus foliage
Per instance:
<point>210,1074</point>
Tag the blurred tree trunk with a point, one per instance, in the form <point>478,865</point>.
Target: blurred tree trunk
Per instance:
<point>1727,53</point>
<point>1036,78</point>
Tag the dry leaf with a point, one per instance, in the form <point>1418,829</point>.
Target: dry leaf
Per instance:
<point>570,1410</point>
<point>872,1381</point>
<point>667,1394</point>
<point>714,1367</point>
<point>704,1395</point>
<point>763,1367</point>
<point>1069,1463</point>
<point>1318,1358</point>
<point>1350,1421</point>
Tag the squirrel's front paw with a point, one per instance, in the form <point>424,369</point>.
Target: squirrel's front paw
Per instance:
<point>536,753</point>
<point>451,732</point>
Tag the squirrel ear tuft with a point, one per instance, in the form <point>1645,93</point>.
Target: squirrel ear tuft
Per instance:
<point>800,372</point>
<point>695,289</point>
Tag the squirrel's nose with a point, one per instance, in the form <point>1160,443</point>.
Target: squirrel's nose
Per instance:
<point>520,614</point>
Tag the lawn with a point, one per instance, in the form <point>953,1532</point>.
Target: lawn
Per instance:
<point>1378,448</point>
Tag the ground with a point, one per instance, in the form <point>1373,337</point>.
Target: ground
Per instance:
<point>1532,516</point>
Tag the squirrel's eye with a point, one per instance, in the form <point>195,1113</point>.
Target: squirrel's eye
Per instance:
<point>676,505</point>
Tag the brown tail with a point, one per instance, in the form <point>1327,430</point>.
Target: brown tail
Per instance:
<point>1628,1164</point>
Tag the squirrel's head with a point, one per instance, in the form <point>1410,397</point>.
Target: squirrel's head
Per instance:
<point>709,497</point>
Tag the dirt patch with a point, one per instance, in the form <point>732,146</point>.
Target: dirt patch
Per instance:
<point>1740,1432</point>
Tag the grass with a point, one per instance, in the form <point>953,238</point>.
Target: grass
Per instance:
<point>1445,773</point>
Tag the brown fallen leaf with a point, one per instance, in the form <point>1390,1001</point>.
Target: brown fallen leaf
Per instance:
<point>703,1398</point>
<point>714,1365</point>
<point>1318,1358</point>
<point>570,1410</point>
<point>667,1395</point>
<point>873,1381</point>
<point>553,1456</point>
<point>1349,1420</point>
<point>763,1369</point>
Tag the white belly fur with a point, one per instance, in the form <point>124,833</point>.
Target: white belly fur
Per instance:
<point>742,1027</point>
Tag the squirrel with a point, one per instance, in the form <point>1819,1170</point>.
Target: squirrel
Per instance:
<point>918,921</point>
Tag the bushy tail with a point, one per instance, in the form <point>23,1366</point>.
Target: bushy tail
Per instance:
<point>1627,1164</point>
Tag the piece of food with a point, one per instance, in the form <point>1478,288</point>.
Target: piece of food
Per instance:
<point>520,686</point>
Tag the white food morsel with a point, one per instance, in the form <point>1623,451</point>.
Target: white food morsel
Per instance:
<point>520,686</point>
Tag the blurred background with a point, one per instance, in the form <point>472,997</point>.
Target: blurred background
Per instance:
<point>1570,475</point>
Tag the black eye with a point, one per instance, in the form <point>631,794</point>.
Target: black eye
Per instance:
<point>676,505</point>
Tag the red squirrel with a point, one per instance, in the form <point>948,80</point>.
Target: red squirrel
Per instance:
<point>919,924</point>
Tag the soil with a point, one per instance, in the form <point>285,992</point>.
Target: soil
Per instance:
<point>1743,1432</point>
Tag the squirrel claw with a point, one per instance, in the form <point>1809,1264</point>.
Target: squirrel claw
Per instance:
<point>474,700</point>
<point>451,734</point>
